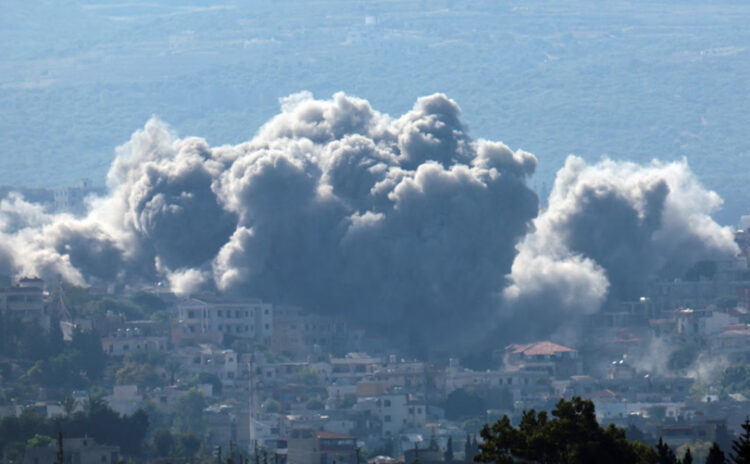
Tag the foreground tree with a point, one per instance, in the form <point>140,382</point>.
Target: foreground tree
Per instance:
<point>716,455</point>
<point>741,445</point>
<point>571,436</point>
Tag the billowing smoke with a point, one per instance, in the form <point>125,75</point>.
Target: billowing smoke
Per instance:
<point>609,229</point>
<point>405,224</point>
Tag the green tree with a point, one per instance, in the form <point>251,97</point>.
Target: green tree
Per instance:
<point>189,444</point>
<point>741,446</point>
<point>189,408</point>
<point>716,455</point>
<point>143,375</point>
<point>89,354</point>
<point>314,404</point>
<point>173,367</point>
<point>664,454</point>
<point>735,379</point>
<point>571,436</point>
<point>688,458</point>
<point>203,378</point>
<point>38,441</point>
<point>69,404</point>
<point>448,455</point>
<point>463,403</point>
<point>164,442</point>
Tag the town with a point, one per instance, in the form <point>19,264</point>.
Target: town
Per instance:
<point>212,375</point>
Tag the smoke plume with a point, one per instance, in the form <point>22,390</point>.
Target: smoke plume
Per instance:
<point>405,224</point>
<point>609,229</point>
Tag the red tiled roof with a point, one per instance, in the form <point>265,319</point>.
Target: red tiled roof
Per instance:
<point>539,348</point>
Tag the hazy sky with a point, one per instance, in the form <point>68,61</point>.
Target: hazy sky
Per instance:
<point>631,80</point>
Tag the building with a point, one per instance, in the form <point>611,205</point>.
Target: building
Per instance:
<point>24,300</point>
<point>223,363</point>
<point>75,451</point>
<point>218,320</point>
<point>556,360</point>
<point>397,412</point>
<point>702,322</point>
<point>308,446</point>
<point>297,333</point>
<point>733,343</point>
<point>124,341</point>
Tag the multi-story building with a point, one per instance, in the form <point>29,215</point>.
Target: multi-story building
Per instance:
<point>206,358</point>
<point>215,320</point>
<point>556,360</point>
<point>397,412</point>
<point>308,446</point>
<point>24,300</point>
<point>298,333</point>
<point>124,341</point>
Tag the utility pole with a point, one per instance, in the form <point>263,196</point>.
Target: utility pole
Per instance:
<point>218,455</point>
<point>257,458</point>
<point>356,450</point>
<point>60,453</point>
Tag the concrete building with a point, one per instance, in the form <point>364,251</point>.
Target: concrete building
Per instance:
<point>124,341</point>
<point>702,322</point>
<point>215,320</point>
<point>207,358</point>
<point>298,334</point>
<point>24,300</point>
<point>308,446</point>
<point>397,412</point>
<point>556,360</point>
<point>733,343</point>
<point>75,451</point>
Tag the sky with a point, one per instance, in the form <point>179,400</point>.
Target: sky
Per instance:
<point>632,81</point>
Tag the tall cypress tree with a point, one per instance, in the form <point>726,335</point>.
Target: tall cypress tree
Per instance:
<point>448,455</point>
<point>716,455</point>
<point>741,446</point>
<point>688,458</point>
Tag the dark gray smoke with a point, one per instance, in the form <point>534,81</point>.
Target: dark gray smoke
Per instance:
<point>405,224</point>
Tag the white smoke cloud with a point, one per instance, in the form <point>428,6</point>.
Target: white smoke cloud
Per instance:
<point>609,228</point>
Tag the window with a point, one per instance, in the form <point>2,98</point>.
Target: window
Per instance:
<point>265,312</point>
<point>191,314</point>
<point>411,410</point>
<point>220,313</point>
<point>387,419</point>
<point>387,403</point>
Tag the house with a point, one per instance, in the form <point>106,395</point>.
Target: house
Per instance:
<point>25,300</point>
<point>702,322</point>
<point>75,451</point>
<point>124,341</point>
<point>397,412</point>
<point>733,343</point>
<point>208,358</point>
<point>308,446</point>
<point>556,360</point>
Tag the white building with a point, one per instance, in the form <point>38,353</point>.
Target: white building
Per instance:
<point>124,341</point>
<point>397,412</point>
<point>213,320</point>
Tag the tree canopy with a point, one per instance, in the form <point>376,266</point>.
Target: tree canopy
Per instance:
<point>571,436</point>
